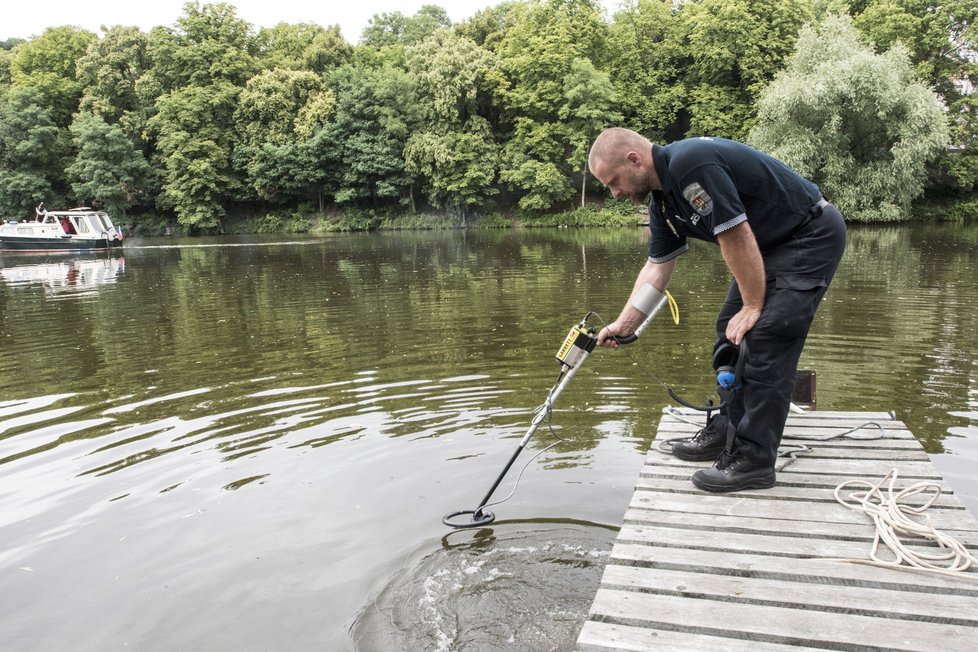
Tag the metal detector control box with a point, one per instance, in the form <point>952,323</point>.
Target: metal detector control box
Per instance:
<point>577,345</point>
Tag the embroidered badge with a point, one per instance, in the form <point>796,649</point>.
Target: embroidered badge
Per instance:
<point>698,198</point>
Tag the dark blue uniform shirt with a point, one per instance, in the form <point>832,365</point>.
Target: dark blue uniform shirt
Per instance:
<point>710,185</point>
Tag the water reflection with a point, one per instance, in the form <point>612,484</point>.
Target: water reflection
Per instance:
<point>270,432</point>
<point>64,274</point>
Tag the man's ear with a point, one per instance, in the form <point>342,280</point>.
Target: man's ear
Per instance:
<point>634,158</point>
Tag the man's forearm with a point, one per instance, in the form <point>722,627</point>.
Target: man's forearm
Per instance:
<point>743,257</point>
<point>655,274</point>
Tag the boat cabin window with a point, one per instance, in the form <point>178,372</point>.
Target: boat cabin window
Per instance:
<point>50,219</point>
<point>106,224</point>
<point>82,223</point>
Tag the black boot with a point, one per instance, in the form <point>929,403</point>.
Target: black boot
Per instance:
<point>706,444</point>
<point>734,473</point>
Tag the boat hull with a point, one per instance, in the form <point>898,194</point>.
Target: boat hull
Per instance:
<point>58,244</point>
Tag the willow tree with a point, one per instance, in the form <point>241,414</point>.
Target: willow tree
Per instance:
<point>858,123</point>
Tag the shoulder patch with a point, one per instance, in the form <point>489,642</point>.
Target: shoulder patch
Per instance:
<point>698,198</point>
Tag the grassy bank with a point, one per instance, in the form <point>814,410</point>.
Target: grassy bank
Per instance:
<point>288,221</point>
<point>612,213</point>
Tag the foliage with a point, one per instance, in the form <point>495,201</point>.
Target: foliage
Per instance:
<point>375,114</point>
<point>47,65</point>
<point>397,29</point>
<point>698,68</point>
<point>195,149</point>
<point>31,148</point>
<point>582,217</point>
<point>857,123</point>
<point>108,170</point>
<point>453,151</point>
<point>487,117</point>
<point>536,56</point>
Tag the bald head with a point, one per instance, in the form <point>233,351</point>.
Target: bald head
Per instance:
<point>610,149</point>
<point>621,159</point>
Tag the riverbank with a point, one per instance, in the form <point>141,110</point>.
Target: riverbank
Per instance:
<point>289,221</point>
<point>612,213</point>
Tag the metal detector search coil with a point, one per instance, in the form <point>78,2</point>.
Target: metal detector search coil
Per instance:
<point>577,345</point>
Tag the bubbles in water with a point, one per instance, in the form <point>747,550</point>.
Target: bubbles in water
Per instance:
<point>490,590</point>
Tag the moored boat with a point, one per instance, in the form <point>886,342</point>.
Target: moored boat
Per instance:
<point>72,230</point>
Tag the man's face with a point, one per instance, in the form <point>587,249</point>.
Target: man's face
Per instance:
<point>628,180</point>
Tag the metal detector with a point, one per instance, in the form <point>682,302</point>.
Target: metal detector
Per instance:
<point>578,344</point>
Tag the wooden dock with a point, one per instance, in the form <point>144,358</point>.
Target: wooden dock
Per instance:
<point>760,570</point>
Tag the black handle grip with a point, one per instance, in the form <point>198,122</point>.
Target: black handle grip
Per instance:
<point>626,340</point>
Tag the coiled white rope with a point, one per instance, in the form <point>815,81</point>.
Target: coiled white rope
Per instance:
<point>891,515</point>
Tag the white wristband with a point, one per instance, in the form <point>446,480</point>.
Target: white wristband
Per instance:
<point>647,299</point>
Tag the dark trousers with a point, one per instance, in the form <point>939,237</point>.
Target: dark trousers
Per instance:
<point>798,273</point>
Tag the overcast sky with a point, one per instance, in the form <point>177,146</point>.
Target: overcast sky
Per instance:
<point>27,18</point>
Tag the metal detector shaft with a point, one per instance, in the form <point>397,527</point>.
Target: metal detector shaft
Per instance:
<point>537,420</point>
<point>571,363</point>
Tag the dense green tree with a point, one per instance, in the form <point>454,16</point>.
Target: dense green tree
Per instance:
<point>5,61</point>
<point>194,144</point>
<point>47,65</point>
<point>941,38</point>
<point>536,56</point>
<point>735,48</point>
<point>303,46</point>
<point>108,171</point>
<point>32,151</point>
<point>375,114</point>
<point>109,71</point>
<point>453,149</point>
<point>646,63</point>
<point>699,67</point>
<point>198,70</point>
<point>208,44</point>
<point>327,51</point>
<point>279,113</point>
<point>488,26</point>
<point>857,123</point>
<point>397,29</point>
<point>284,45</point>
<point>271,102</point>
<point>589,101</point>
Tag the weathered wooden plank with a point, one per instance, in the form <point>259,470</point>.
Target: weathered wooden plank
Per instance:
<point>668,413</point>
<point>880,602</point>
<point>789,476</point>
<point>753,504</point>
<point>833,451</point>
<point>813,570</point>
<point>786,491</point>
<point>768,543</point>
<point>778,624</point>
<point>800,431</point>
<point>863,531</point>
<point>855,467</point>
<point>600,637</point>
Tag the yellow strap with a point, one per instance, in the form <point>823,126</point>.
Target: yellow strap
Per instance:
<point>673,308</point>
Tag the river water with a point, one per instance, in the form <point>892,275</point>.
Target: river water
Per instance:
<point>249,444</point>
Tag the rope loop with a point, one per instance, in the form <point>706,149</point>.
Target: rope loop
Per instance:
<point>893,517</point>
